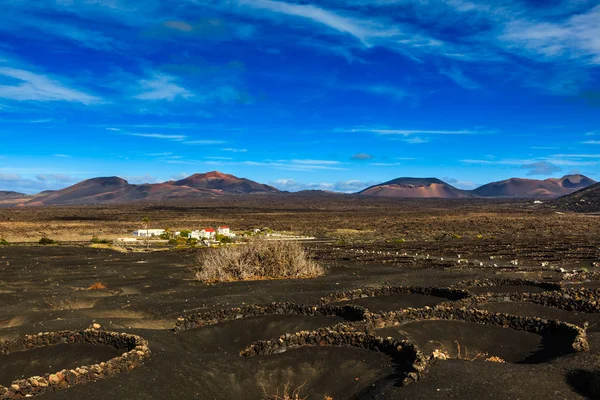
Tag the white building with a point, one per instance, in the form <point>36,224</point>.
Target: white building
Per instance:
<point>148,232</point>
<point>208,233</point>
<point>224,230</point>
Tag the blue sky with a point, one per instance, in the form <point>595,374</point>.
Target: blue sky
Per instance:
<point>324,94</point>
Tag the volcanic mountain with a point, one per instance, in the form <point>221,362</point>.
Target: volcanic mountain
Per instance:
<point>416,187</point>
<point>9,198</point>
<point>224,182</point>
<point>534,188</point>
<point>113,190</point>
<point>584,200</point>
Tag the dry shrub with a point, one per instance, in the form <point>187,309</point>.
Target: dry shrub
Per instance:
<point>289,395</point>
<point>258,259</point>
<point>97,286</point>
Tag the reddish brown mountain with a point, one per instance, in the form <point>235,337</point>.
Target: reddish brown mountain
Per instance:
<point>215,180</point>
<point>534,188</point>
<point>114,190</point>
<point>416,187</point>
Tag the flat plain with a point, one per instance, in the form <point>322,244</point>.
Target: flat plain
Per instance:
<point>501,253</point>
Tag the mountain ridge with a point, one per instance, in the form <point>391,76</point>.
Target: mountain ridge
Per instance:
<point>116,190</point>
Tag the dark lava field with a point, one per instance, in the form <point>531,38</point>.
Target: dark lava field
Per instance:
<point>473,310</point>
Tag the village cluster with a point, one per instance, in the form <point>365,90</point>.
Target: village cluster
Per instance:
<point>206,233</point>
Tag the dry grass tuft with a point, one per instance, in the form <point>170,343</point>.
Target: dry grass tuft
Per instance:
<point>444,354</point>
<point>257,260</point>
<point>97,286</point>
<point>286,395</point>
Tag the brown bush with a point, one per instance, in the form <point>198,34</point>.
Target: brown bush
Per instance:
<point>97,286</point>
<point>258,259</point>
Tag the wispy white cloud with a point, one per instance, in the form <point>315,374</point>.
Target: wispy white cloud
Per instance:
<point>204,142</point>
<point>591,142</point>
<point>176,138</point>
<point>577,37</point>
<point>161,87</point>
<point>363,30</point>
<point>30,86</point>
<point>458,77</point>
<point>541,168</point>
<point>383,90</point>
<point>410,132</point>
<point>234,150</point>
<point>315,162</point>
<point>55,178</point>
<point>347,186</point>
<point>385,164</point>
<point>62,155</point>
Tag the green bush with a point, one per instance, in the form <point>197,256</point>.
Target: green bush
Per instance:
<point>97,240</point>
<point>173,241</point>
<point>165,236</point>
<point>185,234</point>
<point>45,241</point>
<point>3,242</point>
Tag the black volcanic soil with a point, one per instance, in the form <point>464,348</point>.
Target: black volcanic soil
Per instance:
<point>468,340</point>
<point>506,289</point>
<point>44,289</point>
<point>537,310</point>
<point>395,302</point>
<point>37,362</point>
<point>232,336</point>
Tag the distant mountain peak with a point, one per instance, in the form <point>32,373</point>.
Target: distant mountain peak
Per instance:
<point>113,190</point>
<point>534,188</point>
<point>415,187</point>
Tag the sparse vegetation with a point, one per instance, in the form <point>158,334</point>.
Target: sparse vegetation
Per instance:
<point>97,240</point>
<point>46,241</point>
<point>287,394</point>
<point>97,286</point>
<point>3,242</point>
<point>258,259</point>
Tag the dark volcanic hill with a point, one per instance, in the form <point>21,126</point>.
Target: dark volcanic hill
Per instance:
<point>9,198</point>
<point>584,200</point>
<point>8,195</point>
<point>534,188</point>
<point>215,180</point>
<point>113,190</point>
<point>416,187</point>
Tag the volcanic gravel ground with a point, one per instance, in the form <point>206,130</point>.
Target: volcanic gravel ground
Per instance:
<point>395,301</point>
<point>45,289</point>
<point>536,310</point>
<point>24,364</point>
<point>467,340</point>
<point>506,289</point>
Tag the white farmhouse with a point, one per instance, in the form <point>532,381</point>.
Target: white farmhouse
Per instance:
<point>224,230</point>
<point>208,233</point>
<point>148,232</point>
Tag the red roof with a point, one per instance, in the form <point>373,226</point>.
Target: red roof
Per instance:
<point>209,230</point>
<point>223,227</point>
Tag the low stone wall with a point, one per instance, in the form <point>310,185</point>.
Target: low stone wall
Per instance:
<point>448,293</point>
<point>580,277</point>
<point>571,338</point>
<point>349,312</point>
<point>136,352</point>
<point>582,300</point>
<point>407,356</point>
<point>492,282</point>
